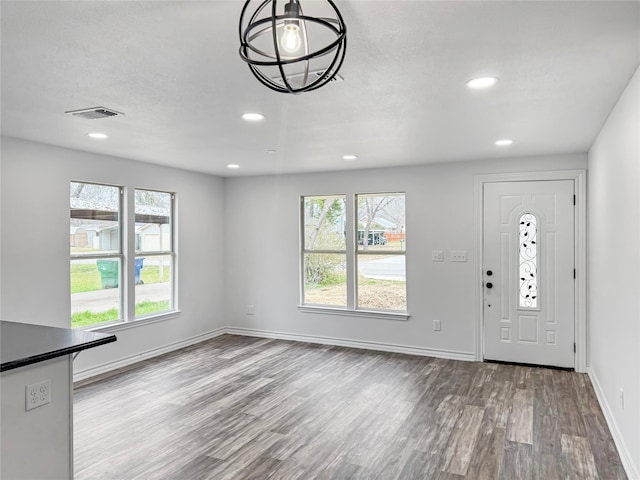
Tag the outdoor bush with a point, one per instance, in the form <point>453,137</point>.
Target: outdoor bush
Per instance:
<point>324,269</point>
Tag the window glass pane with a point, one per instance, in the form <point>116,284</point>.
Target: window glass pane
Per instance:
<point>325,279</point>
<point>324,223</point>
<point>95,292</point>
<point>153,273</point>
<point>153,221</point>
<point>94,218</point>
<point>153,277</point>
<point>381,222</point>
<point>382,282</point>
<point>528,272</point>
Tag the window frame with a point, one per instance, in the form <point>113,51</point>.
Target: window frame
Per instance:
<point>304,251</point>
<point>119,255</point>
<point>127,257</point>
<point>367,252</point>
<point>158,253</point>
<point>351,244</point>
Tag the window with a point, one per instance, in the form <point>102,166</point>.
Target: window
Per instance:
<point>354,258</point>
<point>154,252</point>
<point>381,252</point>
<point>528,261</point>
<point>324,251</point>
<point>101,265</point>
<point>96,254</point>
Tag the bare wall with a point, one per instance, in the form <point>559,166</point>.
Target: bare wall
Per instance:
<point>262,269</point>
<point>614,265</point>
<point>35,247</point>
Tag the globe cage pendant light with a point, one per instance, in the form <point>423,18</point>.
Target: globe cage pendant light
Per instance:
<point>288,51</point>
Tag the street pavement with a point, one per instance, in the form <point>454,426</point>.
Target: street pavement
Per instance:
<point>103,300</point>
<point>386,268</point>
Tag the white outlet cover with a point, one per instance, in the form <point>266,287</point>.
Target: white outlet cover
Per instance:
<point>459,256</point>
<point>37,394</point>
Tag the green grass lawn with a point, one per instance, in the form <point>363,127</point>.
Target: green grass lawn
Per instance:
<point>85,277</point>
<point>151,274</point>
<point>82,319</point>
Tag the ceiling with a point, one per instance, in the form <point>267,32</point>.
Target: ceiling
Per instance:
<point>173,69</point>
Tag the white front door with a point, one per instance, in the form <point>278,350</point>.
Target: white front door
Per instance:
<point>528,272</point>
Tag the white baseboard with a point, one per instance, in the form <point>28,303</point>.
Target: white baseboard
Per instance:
<point>384,347</point>
<point>627,460</point>
<point>251,332</point>
<point>138,357</point>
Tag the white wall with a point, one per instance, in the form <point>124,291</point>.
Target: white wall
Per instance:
<point>614,269</point>
<point>35,247</point>
<point>262,219</point>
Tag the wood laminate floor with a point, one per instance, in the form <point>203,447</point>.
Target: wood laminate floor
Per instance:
<point>247,408</point>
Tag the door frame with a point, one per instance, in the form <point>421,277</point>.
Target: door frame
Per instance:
<point>579,178</point>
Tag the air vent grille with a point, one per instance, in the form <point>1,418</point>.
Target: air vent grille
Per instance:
<point>94,113</point>
<point>296,78</point>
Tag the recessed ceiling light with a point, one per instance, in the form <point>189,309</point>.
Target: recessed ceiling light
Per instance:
<point>233,165</point>
<point>504,143</point>
<point>481,82</point>
<point>100,136</point>
<point>253,117</point>
<point>271,152</point>
<point>349,158</point>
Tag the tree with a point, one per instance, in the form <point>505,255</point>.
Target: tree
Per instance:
<point>368,208</point>
<point>395,212</point>
<point>324,230</point>
<point>321,215</point>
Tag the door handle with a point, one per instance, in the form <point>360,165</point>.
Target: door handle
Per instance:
<point>489,285</point>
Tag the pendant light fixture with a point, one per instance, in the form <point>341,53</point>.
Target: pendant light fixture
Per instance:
<point>292,51</point>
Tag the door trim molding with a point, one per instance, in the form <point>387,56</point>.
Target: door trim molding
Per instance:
<point>580,260</point>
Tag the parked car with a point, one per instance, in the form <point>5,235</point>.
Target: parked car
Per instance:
<point>375,237</point>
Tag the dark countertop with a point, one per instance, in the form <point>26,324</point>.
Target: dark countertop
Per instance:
<point>23,344</point>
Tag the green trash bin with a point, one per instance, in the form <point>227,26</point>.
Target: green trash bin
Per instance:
<point>108,273</point>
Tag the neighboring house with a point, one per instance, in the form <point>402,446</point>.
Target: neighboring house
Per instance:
<point>381,232</point>
<point>78,237</point>
<point>152,237</point>
<point>108,239</point>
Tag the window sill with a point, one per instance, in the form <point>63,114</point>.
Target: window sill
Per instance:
<point>355,313</point>
<point>116,327</point>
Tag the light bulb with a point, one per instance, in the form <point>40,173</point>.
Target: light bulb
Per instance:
<point>290,40</point>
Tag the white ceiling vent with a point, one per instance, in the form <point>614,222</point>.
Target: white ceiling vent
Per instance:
<point>296,78</point>
<point>336,77</point>
<point>94,113</point>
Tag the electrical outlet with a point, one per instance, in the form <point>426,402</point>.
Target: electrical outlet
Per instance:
<point>436,325</point>
<point>251,310</point>
<point>622,399</point>
<point>459,256</point>
<point>437,256</point>
<point>38,394</point>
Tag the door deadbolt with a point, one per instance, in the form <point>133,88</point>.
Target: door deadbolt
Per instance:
<point>489,273</point>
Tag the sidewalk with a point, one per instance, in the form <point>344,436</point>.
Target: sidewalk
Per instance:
<point>103,300</point>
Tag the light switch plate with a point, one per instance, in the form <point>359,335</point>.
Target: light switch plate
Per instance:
<point>437,256</point>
